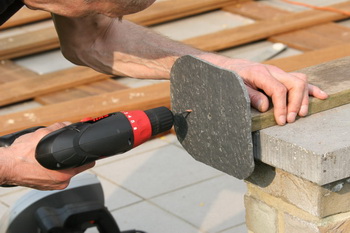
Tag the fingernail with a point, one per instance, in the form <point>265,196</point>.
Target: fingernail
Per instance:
<point>282,120</point>
<point>304,110</point>
<point>324,93</point>
<point>291,117</point>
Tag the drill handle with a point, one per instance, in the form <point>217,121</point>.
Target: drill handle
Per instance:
<point>8,139</point>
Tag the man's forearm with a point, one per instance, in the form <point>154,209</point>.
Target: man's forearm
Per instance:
<point>123,48</point>
<point>119,47</point>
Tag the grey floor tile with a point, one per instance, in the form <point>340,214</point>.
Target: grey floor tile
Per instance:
<point>147,217</point>
<point>115,196</point>
<point>11,198</point>
<point>3,209</point>
<point>238,229</point>
<point>147,146</point>
<point>204,23</point>
<point>7,191</point>
<point>214,205</point>
<point>156,172</point>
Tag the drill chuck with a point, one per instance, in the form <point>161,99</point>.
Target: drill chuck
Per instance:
<point>95,138</point>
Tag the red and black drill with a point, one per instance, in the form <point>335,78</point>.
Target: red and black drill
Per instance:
<point>95,138</point>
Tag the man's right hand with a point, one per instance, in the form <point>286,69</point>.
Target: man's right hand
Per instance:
<point>18,165</point>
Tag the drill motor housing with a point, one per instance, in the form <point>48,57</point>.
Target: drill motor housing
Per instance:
<point>95,138</point>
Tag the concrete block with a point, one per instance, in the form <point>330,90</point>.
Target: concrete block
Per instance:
<point>315,148</point>
<point>293,224</point>
<point>260,217</point>
<point>319,201</point>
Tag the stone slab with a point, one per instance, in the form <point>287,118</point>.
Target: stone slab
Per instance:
<point>217,131</point>
<point>315,148</point>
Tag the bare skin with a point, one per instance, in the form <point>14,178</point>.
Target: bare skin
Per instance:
<point>80,8</point>
<point>92,34</point>
<point>122,48</point>
<point>19,166</point>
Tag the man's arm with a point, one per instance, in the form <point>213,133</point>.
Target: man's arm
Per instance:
<point>123,48</point>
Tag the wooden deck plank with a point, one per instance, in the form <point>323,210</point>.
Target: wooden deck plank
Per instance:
<point>25,16</point>
<point>94,88</point>
<point>265,28</point>
<point>45,39</point>
<point>311,58</point>
<point>9,72</point>
<point>28,43</point>
<point>256,10</point>
<point>163,11</point>
<point>316,37</point>
<point>333,77</point>
<point>24,89</point>
<point>129,99</point>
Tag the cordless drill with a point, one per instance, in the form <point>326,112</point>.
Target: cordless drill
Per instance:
<point>95,138</point>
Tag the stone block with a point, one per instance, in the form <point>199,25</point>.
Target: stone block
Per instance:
<point>315,148</point>
<point>260,217</point>
<point>319,201</point>
<point>293,224</point>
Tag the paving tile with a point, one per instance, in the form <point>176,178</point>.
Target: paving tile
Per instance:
<point>156,172</point>
<point>204,23</point>
<point>115,196</point>
<point>239,229</point>
<point>3,209</point>
<point>147,217</point>
<point>11,198</point>
<point>213,205</point>
<point>147,146</point>
<point>6,191</point>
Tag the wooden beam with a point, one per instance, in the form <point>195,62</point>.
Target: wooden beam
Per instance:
<point>94,88</point>
<point>130,99</point>
<point>163,11</point>
<point>28,43</point>
<point>311,58</point>
<point>11,72</point>
<point>256,10</point>
<point>263,29</point>
<point>24,89</point>
<point>333,77</point>
<point>45,39</point>
<point>25,16</point>
<point>316,37</point>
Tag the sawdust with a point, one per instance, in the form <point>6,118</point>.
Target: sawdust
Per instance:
<point>136,95</point>
<point>30,116</point>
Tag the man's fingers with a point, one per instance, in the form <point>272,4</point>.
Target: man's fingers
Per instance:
<point>298,95</point>
<point>258,100</point>
<point>317,92</point>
